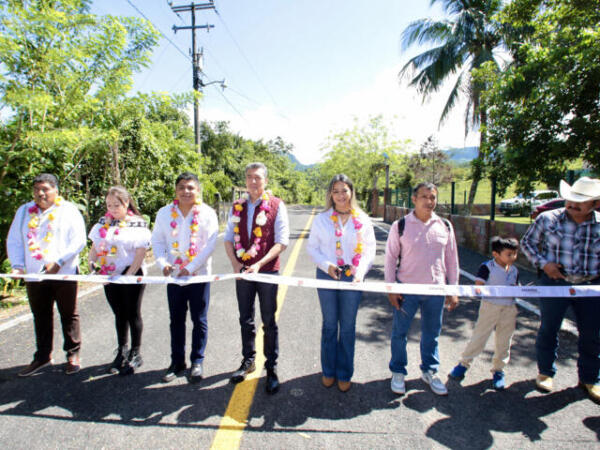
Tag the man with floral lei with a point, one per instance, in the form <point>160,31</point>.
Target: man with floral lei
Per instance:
<point>46,236</point>
<point>257,232</point>
<point>183,239</point>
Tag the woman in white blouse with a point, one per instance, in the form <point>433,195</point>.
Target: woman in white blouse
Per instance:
<point>119,243</point>
<point>342,245</point>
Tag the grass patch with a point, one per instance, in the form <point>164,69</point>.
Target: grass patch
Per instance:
<point>513,219</point>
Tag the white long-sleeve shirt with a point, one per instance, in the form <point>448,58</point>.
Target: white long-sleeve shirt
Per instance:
<point>68,238</point>
<point>322,242</point>
<point>163,239</point>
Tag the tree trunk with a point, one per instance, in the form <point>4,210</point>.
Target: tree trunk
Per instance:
<point>477,164</point>
<point>116,174</point>
<point>13,144</point>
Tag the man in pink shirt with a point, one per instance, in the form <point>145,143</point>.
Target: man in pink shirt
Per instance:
<point>426,251</point>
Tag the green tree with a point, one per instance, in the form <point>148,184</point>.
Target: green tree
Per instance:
<point>362,153</point>
<point>63,70</point>
<point>544,111</point>
<point>430,164</point>
<point>464,41</point>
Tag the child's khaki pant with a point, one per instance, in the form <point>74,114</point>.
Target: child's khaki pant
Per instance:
<point>504,320</point>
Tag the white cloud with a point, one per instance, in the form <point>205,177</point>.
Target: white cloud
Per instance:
<point>401,106</point>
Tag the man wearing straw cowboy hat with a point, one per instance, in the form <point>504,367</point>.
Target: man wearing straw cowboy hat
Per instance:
<point>565,244</point>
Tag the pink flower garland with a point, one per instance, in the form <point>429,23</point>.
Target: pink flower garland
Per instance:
<point>103,252</point>
<point>261,219</point>
<point>192,250</point>
<point>338,245</point>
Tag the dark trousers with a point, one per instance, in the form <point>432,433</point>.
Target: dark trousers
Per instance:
<point>198,296</point>
<point>126,302</point>
<point>587,314</point>
<point>42,296</point>
<point>267,298</point>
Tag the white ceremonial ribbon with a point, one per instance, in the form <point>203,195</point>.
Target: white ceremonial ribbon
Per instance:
<point>368,286</point>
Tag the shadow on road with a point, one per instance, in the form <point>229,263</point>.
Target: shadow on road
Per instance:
<point>140,400</point>
<point>509,411</point>
<point>92,396</point>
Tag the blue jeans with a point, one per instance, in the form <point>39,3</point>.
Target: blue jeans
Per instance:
<point>338,334</point>
<point>432,308</point>
<point>197,295</point>
<point>587,316</point>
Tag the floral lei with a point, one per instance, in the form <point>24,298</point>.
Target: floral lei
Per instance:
<point>33,225</point>
<point>192,250</point>
<point>104,253</point>
<point>261,219</point>
<point>338,245</point>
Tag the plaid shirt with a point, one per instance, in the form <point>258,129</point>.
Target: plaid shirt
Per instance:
<point>555,238</point>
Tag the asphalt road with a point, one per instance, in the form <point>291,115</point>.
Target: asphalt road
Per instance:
<point>93,410</point>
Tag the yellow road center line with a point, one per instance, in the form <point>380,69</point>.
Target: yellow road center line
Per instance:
<point>235,419</point>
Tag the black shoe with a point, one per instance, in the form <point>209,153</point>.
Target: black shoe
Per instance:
<point>117,364</point>
<point>239,375</point>
<point>272,385</point>
<point>34,367</point>
<point>174,370</point>
<point>132,363</point>
<point>196,373</point>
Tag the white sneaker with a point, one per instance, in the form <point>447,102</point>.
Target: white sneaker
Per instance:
<point>434,383</point>
<point>397,383</point>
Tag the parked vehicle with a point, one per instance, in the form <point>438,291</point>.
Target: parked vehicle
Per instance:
<point>515,205</point>
<point>540,197</point>
<point>552,204</point>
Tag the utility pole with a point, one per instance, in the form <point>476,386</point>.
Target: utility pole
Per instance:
<point>196,60</point>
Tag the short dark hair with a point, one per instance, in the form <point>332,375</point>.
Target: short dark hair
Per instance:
<point>499,243</point>
<point>46,178</point>
<point>427,185</point>
<point>187,176</point>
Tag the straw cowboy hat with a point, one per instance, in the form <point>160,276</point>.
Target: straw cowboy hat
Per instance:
<point>583,190</point>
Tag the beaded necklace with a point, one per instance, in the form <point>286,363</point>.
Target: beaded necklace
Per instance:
<point>33,243</point>
<point>261,220</point>
<point>192,250</point>
<point>338,245</point>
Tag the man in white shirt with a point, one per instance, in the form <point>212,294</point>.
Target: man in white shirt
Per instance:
<point>184,237</point>
<point>46,236</point>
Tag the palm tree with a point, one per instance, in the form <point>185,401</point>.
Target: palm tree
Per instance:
<point>464,41</point>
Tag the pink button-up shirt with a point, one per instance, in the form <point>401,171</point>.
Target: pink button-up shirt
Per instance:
<point>429,252</point>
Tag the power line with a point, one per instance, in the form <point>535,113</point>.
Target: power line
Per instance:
<point>247,59</point>
<point>188,57</point>
<point>159,30</point>
<point>231,104</point>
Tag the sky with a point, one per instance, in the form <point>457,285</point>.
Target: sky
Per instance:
<point>299,69</point>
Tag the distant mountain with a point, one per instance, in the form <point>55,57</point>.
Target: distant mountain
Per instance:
<point>462,155</point>
<point>299,165</point>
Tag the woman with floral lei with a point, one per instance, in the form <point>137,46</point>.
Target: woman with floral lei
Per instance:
<point>119,243</point>
<point>342,245</point>
<point>183,239</point>
<point>46,236</point>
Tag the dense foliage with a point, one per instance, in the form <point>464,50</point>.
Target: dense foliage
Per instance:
<point>64,83</point>
<point>544,110</point>
<point>460,43</point>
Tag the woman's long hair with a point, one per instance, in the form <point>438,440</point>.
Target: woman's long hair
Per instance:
<point>123,195</point>
<point>329,203</point>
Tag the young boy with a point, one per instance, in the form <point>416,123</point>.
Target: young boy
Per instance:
<point>499,313</point>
